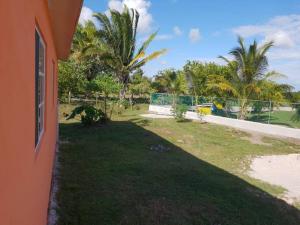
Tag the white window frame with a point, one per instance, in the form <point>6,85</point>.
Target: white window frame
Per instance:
<point>41,100</point>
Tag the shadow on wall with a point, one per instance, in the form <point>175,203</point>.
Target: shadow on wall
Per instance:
<point>113,175</point>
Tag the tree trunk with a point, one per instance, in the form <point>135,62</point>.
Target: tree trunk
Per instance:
<point>122,93</point>
<point>243,109</point>
<point>131,101</point>
<point>96,100</point>
<point>105,97</point>
<point>69,97</point>
<point>174,101</point>
<point>123,80</point>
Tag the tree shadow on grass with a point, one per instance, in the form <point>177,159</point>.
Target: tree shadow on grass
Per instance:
<point>109,175</point>
<point>265,119</point>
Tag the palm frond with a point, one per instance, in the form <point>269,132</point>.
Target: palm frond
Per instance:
<point>147,42</point>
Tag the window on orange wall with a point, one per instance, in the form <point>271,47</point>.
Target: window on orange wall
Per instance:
<point>40,77</point>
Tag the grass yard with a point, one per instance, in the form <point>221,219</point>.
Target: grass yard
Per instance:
<point>277,117</point>
<point>136,171</point>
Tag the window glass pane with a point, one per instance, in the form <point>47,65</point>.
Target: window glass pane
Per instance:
<point>39,122</point>
<point>41,89</point>
<point>41,58</point>
<point>42,117</point>
<point>40,86</point>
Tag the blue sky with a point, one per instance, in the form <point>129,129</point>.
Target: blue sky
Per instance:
<point>203,30</point>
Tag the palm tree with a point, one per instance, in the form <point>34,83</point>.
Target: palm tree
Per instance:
<point>118,36</point>
<point>174,82</point>
<point>249,71</point>
<point>84,39</point>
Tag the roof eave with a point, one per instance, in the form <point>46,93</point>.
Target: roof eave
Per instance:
<point>64,15</point>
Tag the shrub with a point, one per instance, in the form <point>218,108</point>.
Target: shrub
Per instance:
<point>89,115</point>
<point>180,111</point>
<point>123,104</point>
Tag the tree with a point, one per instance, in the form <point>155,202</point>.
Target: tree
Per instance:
<point>199,75</point>
<point>117,36</point>
<point>71,78</point>
<point>173,82</point>
<point>249,71</point>
<point>107,85</point>
<point>139,84</point>
<point>85,38</point>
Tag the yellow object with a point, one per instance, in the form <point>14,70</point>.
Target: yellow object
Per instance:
<point>218,106</point>
<point>204,110</point>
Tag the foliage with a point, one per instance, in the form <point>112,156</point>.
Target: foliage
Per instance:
<point>89,115</point>
<point>71,77</point>
<point>179,111</point>
<point>171,81</point>
<point>117,48</point>
<point>85,37</point>
<point>139,84</point>
<point>248,72</point>
<point>295,96</point>
<point>106,85</point>
<point>199,75</point>
<point>296,116</point>
<point>272,91</point>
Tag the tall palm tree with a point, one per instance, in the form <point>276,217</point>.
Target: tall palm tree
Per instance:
<point>249,70</point>
<point>118,35</point>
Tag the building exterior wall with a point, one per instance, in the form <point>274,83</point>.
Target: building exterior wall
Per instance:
<point>25,172</point>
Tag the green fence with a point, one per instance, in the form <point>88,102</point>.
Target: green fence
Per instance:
<point>280,113</point>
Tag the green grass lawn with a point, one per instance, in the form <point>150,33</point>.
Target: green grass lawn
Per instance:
<point>277,117</point>
<point>110,174</point>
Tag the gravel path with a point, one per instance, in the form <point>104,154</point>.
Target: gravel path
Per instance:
<point>282,170</point>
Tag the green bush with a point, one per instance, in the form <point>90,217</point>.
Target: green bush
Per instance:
<point>180,111</point>
<point>89,115</point>
<point>124,103</point>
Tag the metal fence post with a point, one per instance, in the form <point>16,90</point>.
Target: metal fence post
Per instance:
<point>270,106</point>
<point>192,100</point>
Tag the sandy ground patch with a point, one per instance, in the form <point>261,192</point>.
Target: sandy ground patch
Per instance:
<point>282,170</point>
<point>156,116</point>
<point>256,138</point>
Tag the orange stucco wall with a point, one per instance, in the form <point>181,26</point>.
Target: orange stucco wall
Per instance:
<point>25,175</point>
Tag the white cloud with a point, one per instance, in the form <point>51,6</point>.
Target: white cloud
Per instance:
<point>142,6</point>
<point>87,15</point>
<point>116,5</point>
<point>177,31</point>
<point>281,39</point>
<point>285,55</point>
<point>194,35</point>
<point>283,30</point>
<point>291,69</point>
